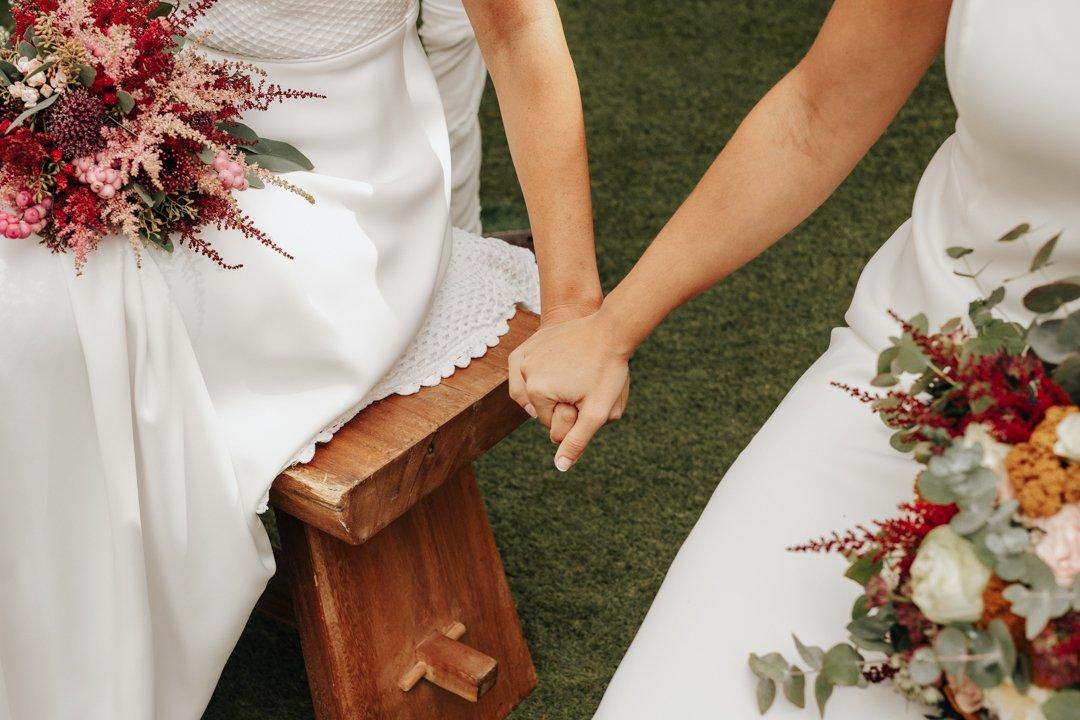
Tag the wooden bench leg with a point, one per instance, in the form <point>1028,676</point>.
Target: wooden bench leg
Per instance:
<point>369,615</point>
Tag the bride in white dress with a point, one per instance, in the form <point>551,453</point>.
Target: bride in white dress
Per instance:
<point>146,411</point>
<point>823,462</point>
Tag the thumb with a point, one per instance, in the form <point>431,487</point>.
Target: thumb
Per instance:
<point>573,446</point>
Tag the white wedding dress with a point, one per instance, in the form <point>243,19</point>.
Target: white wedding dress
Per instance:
<point>823,462</point>
<point>146,411</point>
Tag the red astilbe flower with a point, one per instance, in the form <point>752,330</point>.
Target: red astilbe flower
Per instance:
<point>897,538</point>
<point>78,207</point>
<point>23,152</point>
<point>1009,393</point>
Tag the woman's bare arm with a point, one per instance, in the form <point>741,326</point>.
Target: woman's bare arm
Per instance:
<point>789,154</point>
<point>526,53</point>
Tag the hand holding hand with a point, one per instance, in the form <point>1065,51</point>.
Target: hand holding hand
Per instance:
<point>572,376</point>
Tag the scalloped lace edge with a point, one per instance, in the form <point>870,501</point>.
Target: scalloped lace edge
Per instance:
<point>472,346</point>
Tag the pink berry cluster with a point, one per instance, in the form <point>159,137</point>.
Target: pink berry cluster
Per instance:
<point>28,217</point>
<point>103,180</point>
<point>229,172</point>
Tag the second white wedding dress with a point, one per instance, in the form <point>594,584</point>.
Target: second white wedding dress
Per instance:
<point>823,462</point>
<point>146,410</point>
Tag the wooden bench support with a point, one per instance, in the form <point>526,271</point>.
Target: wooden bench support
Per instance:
<point>367,614</point>
<point>387,557</point>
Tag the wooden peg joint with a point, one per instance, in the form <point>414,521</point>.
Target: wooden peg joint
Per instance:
<point>452,665</point>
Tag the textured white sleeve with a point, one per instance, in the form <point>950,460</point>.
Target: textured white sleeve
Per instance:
<point>459,70</point>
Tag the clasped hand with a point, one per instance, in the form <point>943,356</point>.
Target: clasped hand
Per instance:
<point>573,377</point>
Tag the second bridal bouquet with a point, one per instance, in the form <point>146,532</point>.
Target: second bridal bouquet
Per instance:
<point>112,122</point>
<point>970,597</point>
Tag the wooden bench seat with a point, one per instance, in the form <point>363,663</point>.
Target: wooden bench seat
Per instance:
<point>389,568</point>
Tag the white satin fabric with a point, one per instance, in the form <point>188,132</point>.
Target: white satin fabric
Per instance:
<point>148,409</point>
<point>823,462</point>
<point>461,75</point>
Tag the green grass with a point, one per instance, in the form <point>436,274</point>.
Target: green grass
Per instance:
<point>664,85</point>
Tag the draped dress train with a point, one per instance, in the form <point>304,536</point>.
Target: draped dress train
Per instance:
<point>146,410</point>
<point>823,462</point>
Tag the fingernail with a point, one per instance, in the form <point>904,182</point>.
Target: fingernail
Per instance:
<point>531,410</point>
<point>563,463</point>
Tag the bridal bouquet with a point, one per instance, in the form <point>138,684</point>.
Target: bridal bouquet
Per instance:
<point>970,599</point>
<point>113,123</point>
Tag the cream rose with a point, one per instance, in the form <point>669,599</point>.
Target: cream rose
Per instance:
<point>1068,437</point>
<point>1006,702</point>
<point>1060,546</point>
<point>948,579</point>
<point>994,454</point>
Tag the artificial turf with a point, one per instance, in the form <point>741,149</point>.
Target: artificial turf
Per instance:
<point>664,85</point>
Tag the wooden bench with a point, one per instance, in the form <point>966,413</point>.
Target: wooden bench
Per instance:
<point>389,568</point>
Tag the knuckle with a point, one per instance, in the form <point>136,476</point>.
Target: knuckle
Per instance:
<point>593,416</point>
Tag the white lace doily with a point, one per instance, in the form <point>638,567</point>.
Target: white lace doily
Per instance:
<point>484,284</point>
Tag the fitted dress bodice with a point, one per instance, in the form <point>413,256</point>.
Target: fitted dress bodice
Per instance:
<point>1014,158</point>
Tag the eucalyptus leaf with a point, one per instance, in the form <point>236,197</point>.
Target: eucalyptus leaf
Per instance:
<point>772,666</point>
<point>1016,233</point>
<point>924,667</point>
<point>30,112</point>
<point>950,646</point>
<point>909,357</point>
<point>1048,298</point>
<point>987,668</point>
<point>766,694</point>
<point>1000,632</point>
<point>811,655</point>
<point>823,690</point>
<point>143,194</point>
<point>884,380</point>
<point>863,568</point>
<point>9,70</point>
<point>27,50</point>
<point>1021,676</point>
<point>886,358</point>
<point>1064,705</point>
<point>842,665</point>
<point>1042,257</point>
<point>163,9</point>
<point>899,441</point>
<point>795,687</point>
<point>239,131</point>
<point>277,156</point>
<point>1055,340</point>
<point>1067,375</point>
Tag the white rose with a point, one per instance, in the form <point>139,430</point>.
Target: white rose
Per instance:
<point>23,65</point>
<point>994,454</point>
<point>948,579</point>
<point>1068,438</point>
<point>1006,702</point>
